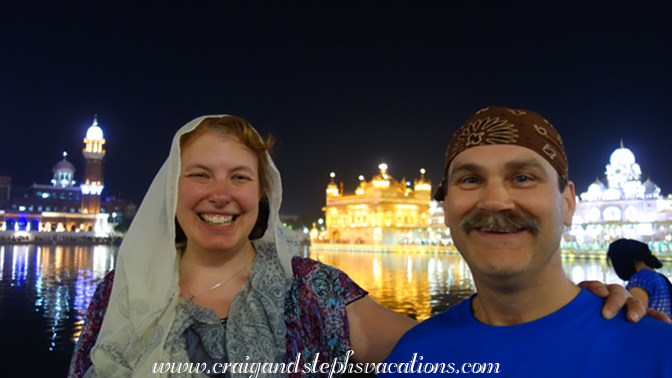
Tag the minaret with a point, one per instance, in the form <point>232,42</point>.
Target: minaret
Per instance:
<point>92,184</point>
<point>332,189</point>
<point>423,187</point>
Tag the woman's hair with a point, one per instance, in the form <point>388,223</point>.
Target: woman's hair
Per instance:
<point>243,132</point>
<point>624,252</point>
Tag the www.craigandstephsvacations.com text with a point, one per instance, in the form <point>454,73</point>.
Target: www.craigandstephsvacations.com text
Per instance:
<point>414,366</point>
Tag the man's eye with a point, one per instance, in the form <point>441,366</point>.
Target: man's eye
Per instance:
<point>522,179</point>
<point>470,180</point>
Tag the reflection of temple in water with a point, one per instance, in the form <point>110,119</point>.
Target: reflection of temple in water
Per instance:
<point>415,285</point>
<point>58,281</point>
<point>382,211</point>
<point>48,212</point>
<point>624,208</point>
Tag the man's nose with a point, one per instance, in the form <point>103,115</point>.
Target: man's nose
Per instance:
<point>496,196</point>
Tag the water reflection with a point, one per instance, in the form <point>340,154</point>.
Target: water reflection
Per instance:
<point>423,285</point>
<point>45,291</point>
<point>416,285</point>
<point>583,270</point>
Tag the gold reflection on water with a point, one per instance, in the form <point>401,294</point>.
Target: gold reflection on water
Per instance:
<point>405,283</point>
<point>415,284</point>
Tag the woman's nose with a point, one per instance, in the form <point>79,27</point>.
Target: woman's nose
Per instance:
<point>221,194</point>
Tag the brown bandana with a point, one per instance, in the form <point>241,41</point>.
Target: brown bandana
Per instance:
<point>507,126</point>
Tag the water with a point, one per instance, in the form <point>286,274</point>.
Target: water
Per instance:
<point>416,285</point>
<point>44,292</point>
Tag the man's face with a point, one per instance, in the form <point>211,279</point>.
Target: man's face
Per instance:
<point>505,211</point>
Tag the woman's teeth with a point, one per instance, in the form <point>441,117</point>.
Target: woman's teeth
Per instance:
<point>217,220</point>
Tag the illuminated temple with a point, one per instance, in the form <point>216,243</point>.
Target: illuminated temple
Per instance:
<point>382,211</point>
<point>63,208</point>
<point>625,207</point>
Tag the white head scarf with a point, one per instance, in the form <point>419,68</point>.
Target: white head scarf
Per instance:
<point>145,293</point>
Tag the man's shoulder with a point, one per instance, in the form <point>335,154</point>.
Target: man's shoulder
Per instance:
<point>657,327</point>
<point>435,326</point>
<point>431,335</point>
<point>577,329</point>
<point>645,328</point>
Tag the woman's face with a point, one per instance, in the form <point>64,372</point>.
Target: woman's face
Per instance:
<point>218,193</point>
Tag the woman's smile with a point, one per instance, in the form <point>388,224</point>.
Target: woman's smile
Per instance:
<point>218,193</point>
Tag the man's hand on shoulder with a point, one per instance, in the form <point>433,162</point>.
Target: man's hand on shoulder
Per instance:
<point>618,297</point>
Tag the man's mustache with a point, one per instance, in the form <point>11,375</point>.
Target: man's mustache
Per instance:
<point>502,221</point>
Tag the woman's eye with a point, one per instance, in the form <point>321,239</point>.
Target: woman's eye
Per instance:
<point>241,177</point>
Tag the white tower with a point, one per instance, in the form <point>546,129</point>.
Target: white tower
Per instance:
<point>92,185</point>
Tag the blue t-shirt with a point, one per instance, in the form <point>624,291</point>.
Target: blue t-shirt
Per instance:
<point>656,287</point>
<point>574,341</point>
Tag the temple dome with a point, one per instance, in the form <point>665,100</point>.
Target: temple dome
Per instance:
<point>63,173</point>
<point>597,185</point>
<point>64,165</point>
<point>650,188</point>
<point>622,156</point>
<point>594,192</point>
<point>94,132</point>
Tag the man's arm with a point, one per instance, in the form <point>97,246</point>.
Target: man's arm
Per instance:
<point>618,297</point>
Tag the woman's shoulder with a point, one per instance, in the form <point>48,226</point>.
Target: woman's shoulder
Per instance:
<point>107,280</point>
<point>644,274</point>
<point>646,279</point>
<point>313,275</point>
<point>302,266</point>
<point>298,262</point>
<point>101,298</point>
<point>81,359</point>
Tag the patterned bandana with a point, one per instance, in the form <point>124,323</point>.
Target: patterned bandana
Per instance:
<point>495,125</point>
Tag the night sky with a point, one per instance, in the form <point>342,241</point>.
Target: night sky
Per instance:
<point>341,85</point>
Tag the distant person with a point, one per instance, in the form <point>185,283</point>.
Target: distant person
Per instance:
<point>633,262</point>
<point>207,274</point>
<point>507,199</point>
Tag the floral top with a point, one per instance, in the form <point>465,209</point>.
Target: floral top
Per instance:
<point>315,316</point>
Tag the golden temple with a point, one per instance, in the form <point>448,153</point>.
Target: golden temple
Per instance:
<point>382,211</point>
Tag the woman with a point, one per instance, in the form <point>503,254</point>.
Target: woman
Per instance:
<point>207,274</point>
<point>633,262</point>
<point>217,190</point>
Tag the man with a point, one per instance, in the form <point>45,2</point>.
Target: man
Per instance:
<point>507,198</point>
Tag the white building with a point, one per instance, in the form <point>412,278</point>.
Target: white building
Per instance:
<point>63,210</point>
<point>624,208</point>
